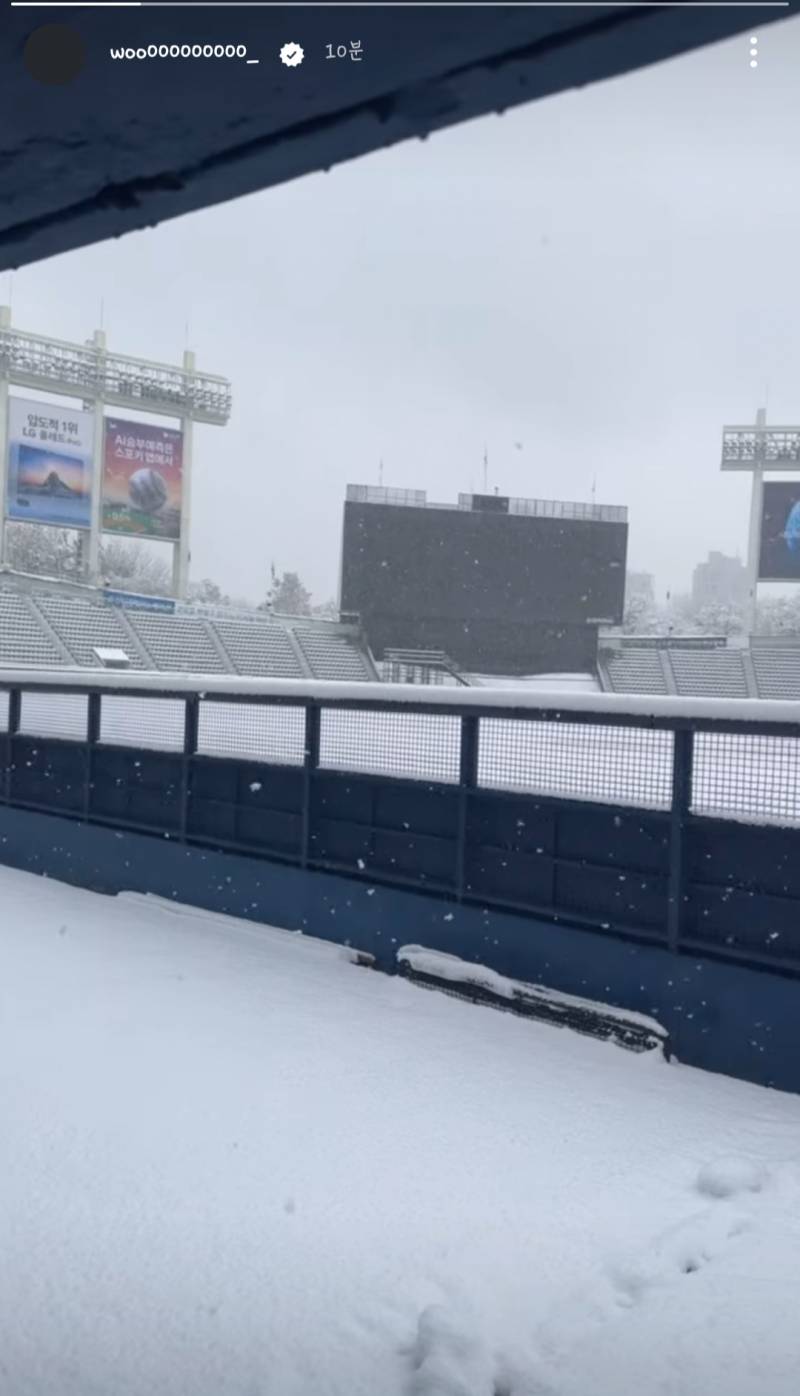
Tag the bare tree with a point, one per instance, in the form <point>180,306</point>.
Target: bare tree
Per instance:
<point>287,595</point>
<point>45,552</point>
<point>208,592</point>
<point>779,616</point>
<point>130,567</point>
<point>326,610</point>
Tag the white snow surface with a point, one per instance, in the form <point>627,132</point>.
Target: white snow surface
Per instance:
<point>234,1164</point>
<point>545,683</point>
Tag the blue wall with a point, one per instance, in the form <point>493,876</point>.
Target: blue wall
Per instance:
<point>721,1017</point>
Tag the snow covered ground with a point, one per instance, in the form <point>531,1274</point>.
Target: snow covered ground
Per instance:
<point>234,1164</point>
<point>545,683</point>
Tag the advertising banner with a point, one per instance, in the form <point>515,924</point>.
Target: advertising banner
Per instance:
<point>134,601</point>
<point>142,476</point>
<point>49,464</point>
<point>779,558</point>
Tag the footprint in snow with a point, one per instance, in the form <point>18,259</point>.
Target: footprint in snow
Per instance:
<point>448,1358</point>
<point>731,1176</point>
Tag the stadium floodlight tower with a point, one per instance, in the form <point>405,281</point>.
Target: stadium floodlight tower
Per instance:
<point>760,449</point>
<point>100,379</point>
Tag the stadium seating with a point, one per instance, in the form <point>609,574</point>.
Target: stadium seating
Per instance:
<point>178,644</point>
<point>82,628</point>
<point>259,648</point>
<point>708,673</point>
<point>44,629</point>
<point>700,673</point>
<point>777,672</point>
<point>331,655</point>
<point>48,629</point>
<point>24,641</point>
<point>635,671</point>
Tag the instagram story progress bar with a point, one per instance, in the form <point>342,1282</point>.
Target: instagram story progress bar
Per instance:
<point>399,5</point>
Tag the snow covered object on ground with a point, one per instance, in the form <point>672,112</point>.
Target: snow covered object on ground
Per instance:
<point>436,969</point>
<point>235,1164</point>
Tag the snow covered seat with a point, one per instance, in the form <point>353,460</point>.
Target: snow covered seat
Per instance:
<point>258,647</point>
<point>84,628</point>
<point>332,656</point>
<point>777,672</point>
<point>708,673</point>
<point>636,671</point>
<point>178,644</point>
<point>23,640</point>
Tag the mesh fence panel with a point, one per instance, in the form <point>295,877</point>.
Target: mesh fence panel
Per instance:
<point>419,746</point>
<point>617,765</point>
<point>147,722</point>
<point>4,712</point>
<point>254,731</point>
<point>54,715</point>
<point>753,778</point>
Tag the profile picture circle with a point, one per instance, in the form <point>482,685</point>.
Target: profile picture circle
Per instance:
<point>54,54</point>
<point>147,490</point>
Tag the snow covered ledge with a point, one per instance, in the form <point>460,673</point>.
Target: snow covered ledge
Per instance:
<point>332,693</point>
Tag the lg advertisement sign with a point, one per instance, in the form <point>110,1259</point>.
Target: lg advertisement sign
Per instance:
<point>49,464</point>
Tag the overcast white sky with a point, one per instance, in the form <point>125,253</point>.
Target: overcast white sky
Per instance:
<point>606,277</point>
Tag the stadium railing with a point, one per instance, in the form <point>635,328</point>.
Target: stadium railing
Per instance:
<point>655,819</point>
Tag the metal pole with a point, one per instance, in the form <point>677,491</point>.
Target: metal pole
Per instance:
<point>98,448</point>
<point>682,767</point>
<point>754,536</point>
<point>310,766</point>
<point>467,781</point>
<point>12,728</point>
<point>180,554</point>
<point>93,725</point>
<point>191,727</point>
<point>5,324</point>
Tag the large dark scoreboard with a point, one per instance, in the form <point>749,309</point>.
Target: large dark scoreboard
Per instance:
<point>499,591</point>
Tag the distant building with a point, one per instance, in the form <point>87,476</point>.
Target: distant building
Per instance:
<point>719,579</point>
<point>641,614</point>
